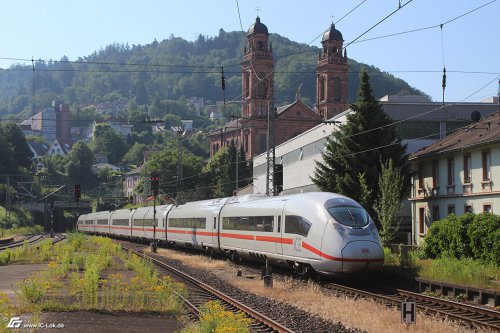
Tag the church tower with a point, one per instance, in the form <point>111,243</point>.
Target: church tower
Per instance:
<point>332,76</point>
<point>258,72</point>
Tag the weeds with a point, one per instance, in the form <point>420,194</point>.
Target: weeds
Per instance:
<point>214,318</point>
<point>460,271</point>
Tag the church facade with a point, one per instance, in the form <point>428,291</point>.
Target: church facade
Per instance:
<point>250,131</point>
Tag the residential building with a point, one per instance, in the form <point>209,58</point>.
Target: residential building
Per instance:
<point>457,174</point>
<point>98,166</point>
<point>51,123</point>
<point>131,181</point>
<point>118,126</point>
<point>59,147</point>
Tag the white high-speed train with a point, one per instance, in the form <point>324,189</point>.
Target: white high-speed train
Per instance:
<point>327,232</point>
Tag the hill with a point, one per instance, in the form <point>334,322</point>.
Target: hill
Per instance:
<point>172,69</point>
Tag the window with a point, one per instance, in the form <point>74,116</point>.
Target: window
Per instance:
<point>89,222</point>
<point>421,220</point>
<point>337,89</point>
<point>321,88</point>
<point>468,208</point>
<point>188,222</point>
<point>102,222</point>
<point>467,169</point>
<point>451,209</point>
<point>261,86</point>
<point>249,223</point>
<point>486,165</point>
<point>143,222</point>
<point>435,213</point>
<point>247,85</point>
<point>120,222</point>
<point>350,216</point>
<point>298,225</point>
<point>487,208</point>
<point>435,174</point>
<point>420,176</point>
<point>451,171</point>
<point>262,143</point>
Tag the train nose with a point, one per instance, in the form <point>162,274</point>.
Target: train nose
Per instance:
<point>361,255</point>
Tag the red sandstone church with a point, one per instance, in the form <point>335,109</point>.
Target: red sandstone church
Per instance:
<point>250,131</point>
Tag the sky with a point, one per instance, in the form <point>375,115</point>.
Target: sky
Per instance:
<point>469,46</point>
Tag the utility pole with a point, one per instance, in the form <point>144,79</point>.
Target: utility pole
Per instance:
<point>179,161</point>
<point>271,157</point>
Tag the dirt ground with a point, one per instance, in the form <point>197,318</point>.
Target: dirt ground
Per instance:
<point>11,274</point>
<point>82,321</point>
<point>107,322</point>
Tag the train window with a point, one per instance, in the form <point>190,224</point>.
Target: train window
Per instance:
<point>143,222</point>
<point>279,223</point>
<point>102,222</point>
<point>249,223</point>
<point>89,222</point>
<point>350,216</point>
<point>215,223</point>
<point>188,222</point>
<point>120,222</point>
<point>295,224</point>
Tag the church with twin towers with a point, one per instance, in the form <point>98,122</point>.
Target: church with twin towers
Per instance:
<point>250,130</point>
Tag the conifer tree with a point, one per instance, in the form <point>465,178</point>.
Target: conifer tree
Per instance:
<point>358,148</point>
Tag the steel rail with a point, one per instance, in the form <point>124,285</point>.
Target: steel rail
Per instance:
<point>255,315</point>
<point>467,314</point>
<point>31,240</point>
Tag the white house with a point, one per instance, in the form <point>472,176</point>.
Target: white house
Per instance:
<point>59,147</point>
<point>458,174</point>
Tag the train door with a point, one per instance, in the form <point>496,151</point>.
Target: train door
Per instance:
<point>214,226</point>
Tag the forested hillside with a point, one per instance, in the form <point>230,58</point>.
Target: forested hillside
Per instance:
<point>171,70</point>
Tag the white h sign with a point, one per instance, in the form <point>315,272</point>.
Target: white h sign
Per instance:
<point>408,312</point>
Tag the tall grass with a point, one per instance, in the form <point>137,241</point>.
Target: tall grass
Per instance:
<point>461,271</point>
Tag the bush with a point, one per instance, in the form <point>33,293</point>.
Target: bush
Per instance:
<point>466,236</point>
<point>484,237</point>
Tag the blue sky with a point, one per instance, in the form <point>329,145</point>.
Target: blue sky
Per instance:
<point>52,29</point>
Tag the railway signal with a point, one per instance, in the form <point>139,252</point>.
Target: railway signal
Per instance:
<point>78,192</point>
<point>278,178</point>
<point>155,184</point>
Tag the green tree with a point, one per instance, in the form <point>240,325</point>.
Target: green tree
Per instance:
<point>389,203</point>
<point>218,169</point>
<point>108,142</point>
<point>7,162</point>
<point>78,164</point>
<point>22,151</point>
<point>165,163</point>
<point>357,147</point>
<point>135,154</point>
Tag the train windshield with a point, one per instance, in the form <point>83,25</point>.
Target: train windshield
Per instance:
<point>351,216</point>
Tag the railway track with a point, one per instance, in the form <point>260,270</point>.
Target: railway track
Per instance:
<point>472,316</point>
<point>30,239</point>
<point>201,293</point>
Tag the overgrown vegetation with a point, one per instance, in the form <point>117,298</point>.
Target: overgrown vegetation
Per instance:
<point>461,271</point>
<point>462,237</point>
<point>214,318</point>
<point>77,279</point>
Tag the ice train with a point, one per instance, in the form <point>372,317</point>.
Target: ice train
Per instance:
<point>317,231</point>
